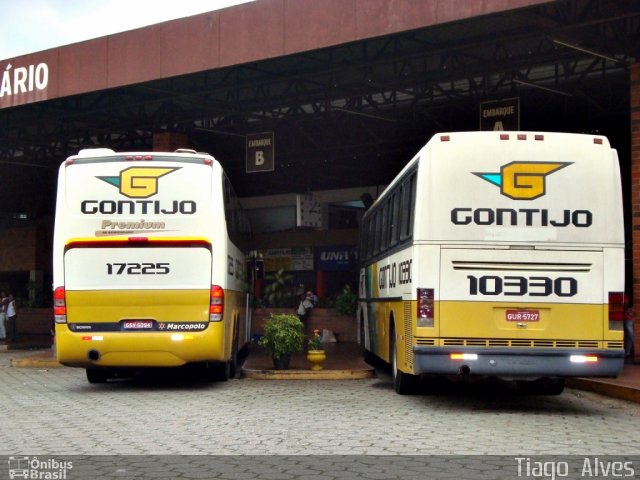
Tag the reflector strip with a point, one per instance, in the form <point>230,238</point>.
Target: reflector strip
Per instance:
<point>178,337</point>
<point>583,359</point>
<point>149,242</point>
<point>95,338</point>
<point>464,356</point>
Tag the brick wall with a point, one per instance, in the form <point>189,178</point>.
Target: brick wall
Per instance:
<point>18,249</point>
<point>344,327</point>
<point>169,141</point>
<point>635,196</point>
<point>35,321</point>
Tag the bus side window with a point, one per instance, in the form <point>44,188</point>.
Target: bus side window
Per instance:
<point>364,254</point>
<point>237,224</point>
<point>383,233</point>
<point>408,206</point>
<point>370,235</point>
<point>394,219</point>
<point>376,231</point>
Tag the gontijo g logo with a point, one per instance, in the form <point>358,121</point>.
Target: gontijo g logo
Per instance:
<point>522,180</point>
<point>139,182</point>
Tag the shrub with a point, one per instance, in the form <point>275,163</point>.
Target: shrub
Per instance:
<point>283,334</point>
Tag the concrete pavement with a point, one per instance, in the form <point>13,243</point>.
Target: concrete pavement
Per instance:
<point>344,361</point>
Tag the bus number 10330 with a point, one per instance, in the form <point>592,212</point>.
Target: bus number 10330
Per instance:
<point>520,286</point>
<point>138,268</point>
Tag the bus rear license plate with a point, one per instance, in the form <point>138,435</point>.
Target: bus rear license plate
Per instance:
<point>137,325</point>
<point>523,315</point>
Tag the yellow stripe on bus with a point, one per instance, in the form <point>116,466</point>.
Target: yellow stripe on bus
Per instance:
<point>88,306</point>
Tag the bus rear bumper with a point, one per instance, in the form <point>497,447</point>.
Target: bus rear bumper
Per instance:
<point>523,363</point>
<point>138,349</point>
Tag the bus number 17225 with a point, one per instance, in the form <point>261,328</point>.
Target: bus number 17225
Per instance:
<point>138,268</point>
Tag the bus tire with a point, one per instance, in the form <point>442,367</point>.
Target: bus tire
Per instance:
<point>403,383</point>
<point>214,371</point>
<point>96,375</point>
<point>222,372</point>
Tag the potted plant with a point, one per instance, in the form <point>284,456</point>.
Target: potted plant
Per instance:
<point>283,335</point>
<point>347,301</point>
<point>315,352</point>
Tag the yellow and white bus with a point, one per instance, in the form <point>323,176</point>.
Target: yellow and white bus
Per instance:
<point>497,254</point>
<point>148,269</point>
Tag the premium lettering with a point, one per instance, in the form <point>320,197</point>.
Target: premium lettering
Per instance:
<point>140,225</point>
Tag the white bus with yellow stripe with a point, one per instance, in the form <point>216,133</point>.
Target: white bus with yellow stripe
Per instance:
<point>147,266</point>
<point>497,254</point>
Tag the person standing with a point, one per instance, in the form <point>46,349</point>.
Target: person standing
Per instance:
<point>11,318</point>
<point>309,301</point>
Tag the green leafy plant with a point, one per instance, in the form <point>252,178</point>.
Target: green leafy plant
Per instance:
<point>346,301</point>
<point>283,335</point>
<point>277,290</point>
<point>315,341</point>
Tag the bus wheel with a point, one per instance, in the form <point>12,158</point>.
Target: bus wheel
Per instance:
<point>95,375</point>
<point>216,371</point>
<point>403,383</point>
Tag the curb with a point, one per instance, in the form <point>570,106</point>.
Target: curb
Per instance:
<point>622,392</point>
<point>35,363</point>
<point>307,374</point>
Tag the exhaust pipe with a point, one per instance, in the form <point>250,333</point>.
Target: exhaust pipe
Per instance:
<point>464,370</point>
<point>93,355</point>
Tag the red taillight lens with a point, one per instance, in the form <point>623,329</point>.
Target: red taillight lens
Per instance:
<point>425,307</point>
<point>59,305</point>
<point>616,310</point>
<point>216,308</point>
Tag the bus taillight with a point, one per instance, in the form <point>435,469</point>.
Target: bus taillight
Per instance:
<point>216,308</point>
<point>425,307</point>
<point>59,305</point>
<point>616,310</point>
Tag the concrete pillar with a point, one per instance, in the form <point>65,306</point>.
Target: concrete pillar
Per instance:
<point>321,284</point>
<point>635,197</point>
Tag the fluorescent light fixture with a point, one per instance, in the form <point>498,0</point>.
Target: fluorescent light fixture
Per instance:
<point>542,87</point>
<point>587,51</point>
